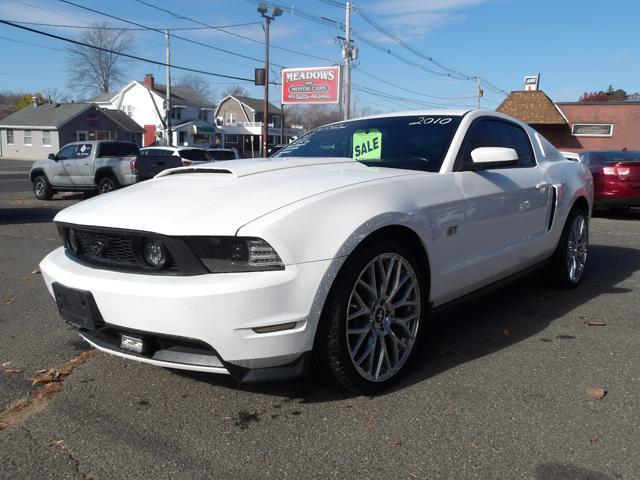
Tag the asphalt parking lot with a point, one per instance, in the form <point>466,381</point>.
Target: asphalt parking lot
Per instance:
<point>498,389</point>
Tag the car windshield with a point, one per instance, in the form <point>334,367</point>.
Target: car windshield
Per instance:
<point>408,142</point>
<point>195,154</point>
<point>222,154</point>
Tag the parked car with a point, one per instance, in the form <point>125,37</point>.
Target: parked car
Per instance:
<point>187,155</point>
<point>573,156</point>
<point>616,177</point>
<point>93,166</point>
<point>335,249</point>
<point>219,154</point>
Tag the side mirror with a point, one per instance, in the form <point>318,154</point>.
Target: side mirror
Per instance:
<point>53,156</point>
<point>493,157</point>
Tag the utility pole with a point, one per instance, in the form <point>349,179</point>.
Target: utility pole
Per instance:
<point>480,91</point>
<point>168,133</point>
<point>347,64</point>
<point>262,8</point>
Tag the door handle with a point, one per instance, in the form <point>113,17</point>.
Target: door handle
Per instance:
<point>543,185</point>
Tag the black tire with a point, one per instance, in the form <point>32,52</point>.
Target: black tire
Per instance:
<point>560,271</point>
<point>337,352</point>
<point>107,184</point>
<point>42,188</point>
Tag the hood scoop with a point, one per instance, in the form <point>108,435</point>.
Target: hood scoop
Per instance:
<point>176,171</point>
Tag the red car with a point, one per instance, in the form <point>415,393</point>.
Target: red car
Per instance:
<point>616,177</point>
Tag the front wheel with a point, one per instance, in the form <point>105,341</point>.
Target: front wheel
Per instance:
<point>107,184</point>
<point>372,319</point>
<point>41,188</point>
<point>570,258</point>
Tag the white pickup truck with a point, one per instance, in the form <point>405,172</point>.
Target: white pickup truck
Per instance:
<point>99,166</point>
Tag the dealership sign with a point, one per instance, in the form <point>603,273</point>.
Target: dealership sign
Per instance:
<point>311,85</point>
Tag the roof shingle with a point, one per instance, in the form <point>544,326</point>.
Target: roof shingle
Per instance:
<point>533,107</point>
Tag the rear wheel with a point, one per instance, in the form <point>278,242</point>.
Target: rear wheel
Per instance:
<point>41,188</point>
<point>570,258</point>
<point>372,319</point>
<point>107,184</point>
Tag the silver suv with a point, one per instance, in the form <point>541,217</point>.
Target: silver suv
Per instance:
<point>94,165</point>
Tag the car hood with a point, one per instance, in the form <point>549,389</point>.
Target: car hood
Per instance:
<point>219,198</point>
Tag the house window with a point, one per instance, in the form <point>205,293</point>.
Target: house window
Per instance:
<point>10,140</point>
<point>105,135</point>
<point>231,138</point>
<point>128,109</point>
<point>176,113</point>
<point>276,121</point>
<point>46,138</point>
<point>28,140</point>
<point>203,115</point>
<point>229,118</point>
<point>81,136</point>
<point>592,129</point>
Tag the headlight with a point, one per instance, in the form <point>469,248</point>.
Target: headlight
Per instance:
<point>154,253</point>
<point>235,254</point>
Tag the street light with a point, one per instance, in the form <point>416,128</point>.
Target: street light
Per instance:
<point>275,12</point>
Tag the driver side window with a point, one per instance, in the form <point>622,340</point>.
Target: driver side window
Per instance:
<point>496,133</point>
<point>67,152</point>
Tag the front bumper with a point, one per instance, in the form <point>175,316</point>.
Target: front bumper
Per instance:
<point>217,310</point>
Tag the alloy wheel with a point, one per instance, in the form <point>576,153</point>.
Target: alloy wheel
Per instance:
<point>577,247</point>
<point>383,317</point>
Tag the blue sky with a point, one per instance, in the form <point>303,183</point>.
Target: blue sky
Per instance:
<point>576,45</point>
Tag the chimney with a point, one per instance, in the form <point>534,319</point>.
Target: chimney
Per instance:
<point>149,81</point>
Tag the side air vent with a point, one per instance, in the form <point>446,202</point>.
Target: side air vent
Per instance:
<point>552,212</point>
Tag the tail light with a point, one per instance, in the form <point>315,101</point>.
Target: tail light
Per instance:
<point>619,171</point>
<point>133,165</point>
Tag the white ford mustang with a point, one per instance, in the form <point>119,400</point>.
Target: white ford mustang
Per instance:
<point>338,247</point>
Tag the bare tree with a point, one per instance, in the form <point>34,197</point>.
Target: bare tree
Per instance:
<point>236,91</point>
<point>94,70</point>
<point>55,95</point>
<point>198,84</point>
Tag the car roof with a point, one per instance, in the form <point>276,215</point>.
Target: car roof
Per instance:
<point>171,147</point>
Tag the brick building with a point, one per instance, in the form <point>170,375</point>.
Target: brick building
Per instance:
<point>578,126</point>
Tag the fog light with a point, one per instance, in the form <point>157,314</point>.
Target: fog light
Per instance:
<point>154,254</point>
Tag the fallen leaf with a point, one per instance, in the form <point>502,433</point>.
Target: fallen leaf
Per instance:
<point>370,424</point>
<point>6,364</point>
<point>594,323</point>
<point>12,370</point>
<point>505,332</point>
<point>594,440</point>
<point>596,392</point>
<point>8,301</point>
<point>42,371</point>
<point>35,271</point>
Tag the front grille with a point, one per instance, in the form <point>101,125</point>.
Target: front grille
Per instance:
<point>106,247</point>
<point>122,250</point>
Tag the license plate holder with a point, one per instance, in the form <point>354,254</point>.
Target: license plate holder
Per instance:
<point>77,307</point>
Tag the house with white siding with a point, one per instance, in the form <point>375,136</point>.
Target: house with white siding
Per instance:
<point>192,116</point>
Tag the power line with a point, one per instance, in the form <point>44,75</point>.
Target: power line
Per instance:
<point>244,37</point>
<point>162,32</point>
<point>95,27</point>
<point>133,57</point>
<point>402,99</point>
<point>412,91</point>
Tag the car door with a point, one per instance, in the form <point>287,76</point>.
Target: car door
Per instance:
<point>61,171</point>
<point>83,165</point>
<point>507,208</point>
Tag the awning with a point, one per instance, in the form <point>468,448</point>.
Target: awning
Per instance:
<point>203,127</point>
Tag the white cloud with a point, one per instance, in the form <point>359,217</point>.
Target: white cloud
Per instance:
<point>415,18</point>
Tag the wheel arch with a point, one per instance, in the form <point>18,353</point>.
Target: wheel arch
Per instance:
<point>103,172</point>
<point>395,232</point>
<point>36,172</point>
<point>582,203</point>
